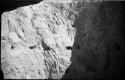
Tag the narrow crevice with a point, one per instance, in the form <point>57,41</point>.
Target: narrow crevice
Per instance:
<point>32,47</point>
<point>69,48</point>
<point>46,48</point>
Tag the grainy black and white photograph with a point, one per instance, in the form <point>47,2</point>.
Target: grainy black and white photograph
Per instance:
<point>62,39</point>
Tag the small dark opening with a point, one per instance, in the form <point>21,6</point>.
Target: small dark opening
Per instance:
<point>12,47</point>
<point>45,46</point>
<point>69,48</point>
<point>78,46</point>
<point>32,47</point>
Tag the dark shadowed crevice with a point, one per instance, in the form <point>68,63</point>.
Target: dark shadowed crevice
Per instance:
<point>12,47</point>
<point>69,48</point>
<point>46,48</point>
<point>32,47</point>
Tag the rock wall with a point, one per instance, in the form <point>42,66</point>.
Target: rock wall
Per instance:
<point>99,47</point>
<point>68,39</point>
<point>36,40</point>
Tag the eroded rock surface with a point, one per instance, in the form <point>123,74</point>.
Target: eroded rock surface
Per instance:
<point>36,40</point>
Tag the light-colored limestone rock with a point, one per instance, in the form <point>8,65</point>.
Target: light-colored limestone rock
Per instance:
<point>34,40</point>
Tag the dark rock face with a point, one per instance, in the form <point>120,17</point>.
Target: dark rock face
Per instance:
<point>98,51</point>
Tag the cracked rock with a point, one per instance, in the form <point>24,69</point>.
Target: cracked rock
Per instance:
<point>36,40</point>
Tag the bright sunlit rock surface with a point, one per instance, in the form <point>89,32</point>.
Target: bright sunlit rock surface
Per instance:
<point>36,40</point>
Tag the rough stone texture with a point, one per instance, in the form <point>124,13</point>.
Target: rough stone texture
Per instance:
<point>99,47</point>
<point>36,40</point>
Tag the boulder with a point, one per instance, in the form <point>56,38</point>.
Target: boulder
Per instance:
<point>36,40</point>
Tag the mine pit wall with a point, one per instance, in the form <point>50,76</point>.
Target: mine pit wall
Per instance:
<point>96,52</point>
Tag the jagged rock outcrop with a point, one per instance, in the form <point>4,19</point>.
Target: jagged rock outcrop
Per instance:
<point>36,40</point>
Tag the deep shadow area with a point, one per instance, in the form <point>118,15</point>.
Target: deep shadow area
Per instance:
<point>98,51</point>
<point>8,5</point>
<point>1,74</point>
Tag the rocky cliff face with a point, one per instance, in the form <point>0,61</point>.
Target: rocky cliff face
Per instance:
<point>36,40</point>
<point>68,39</point>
